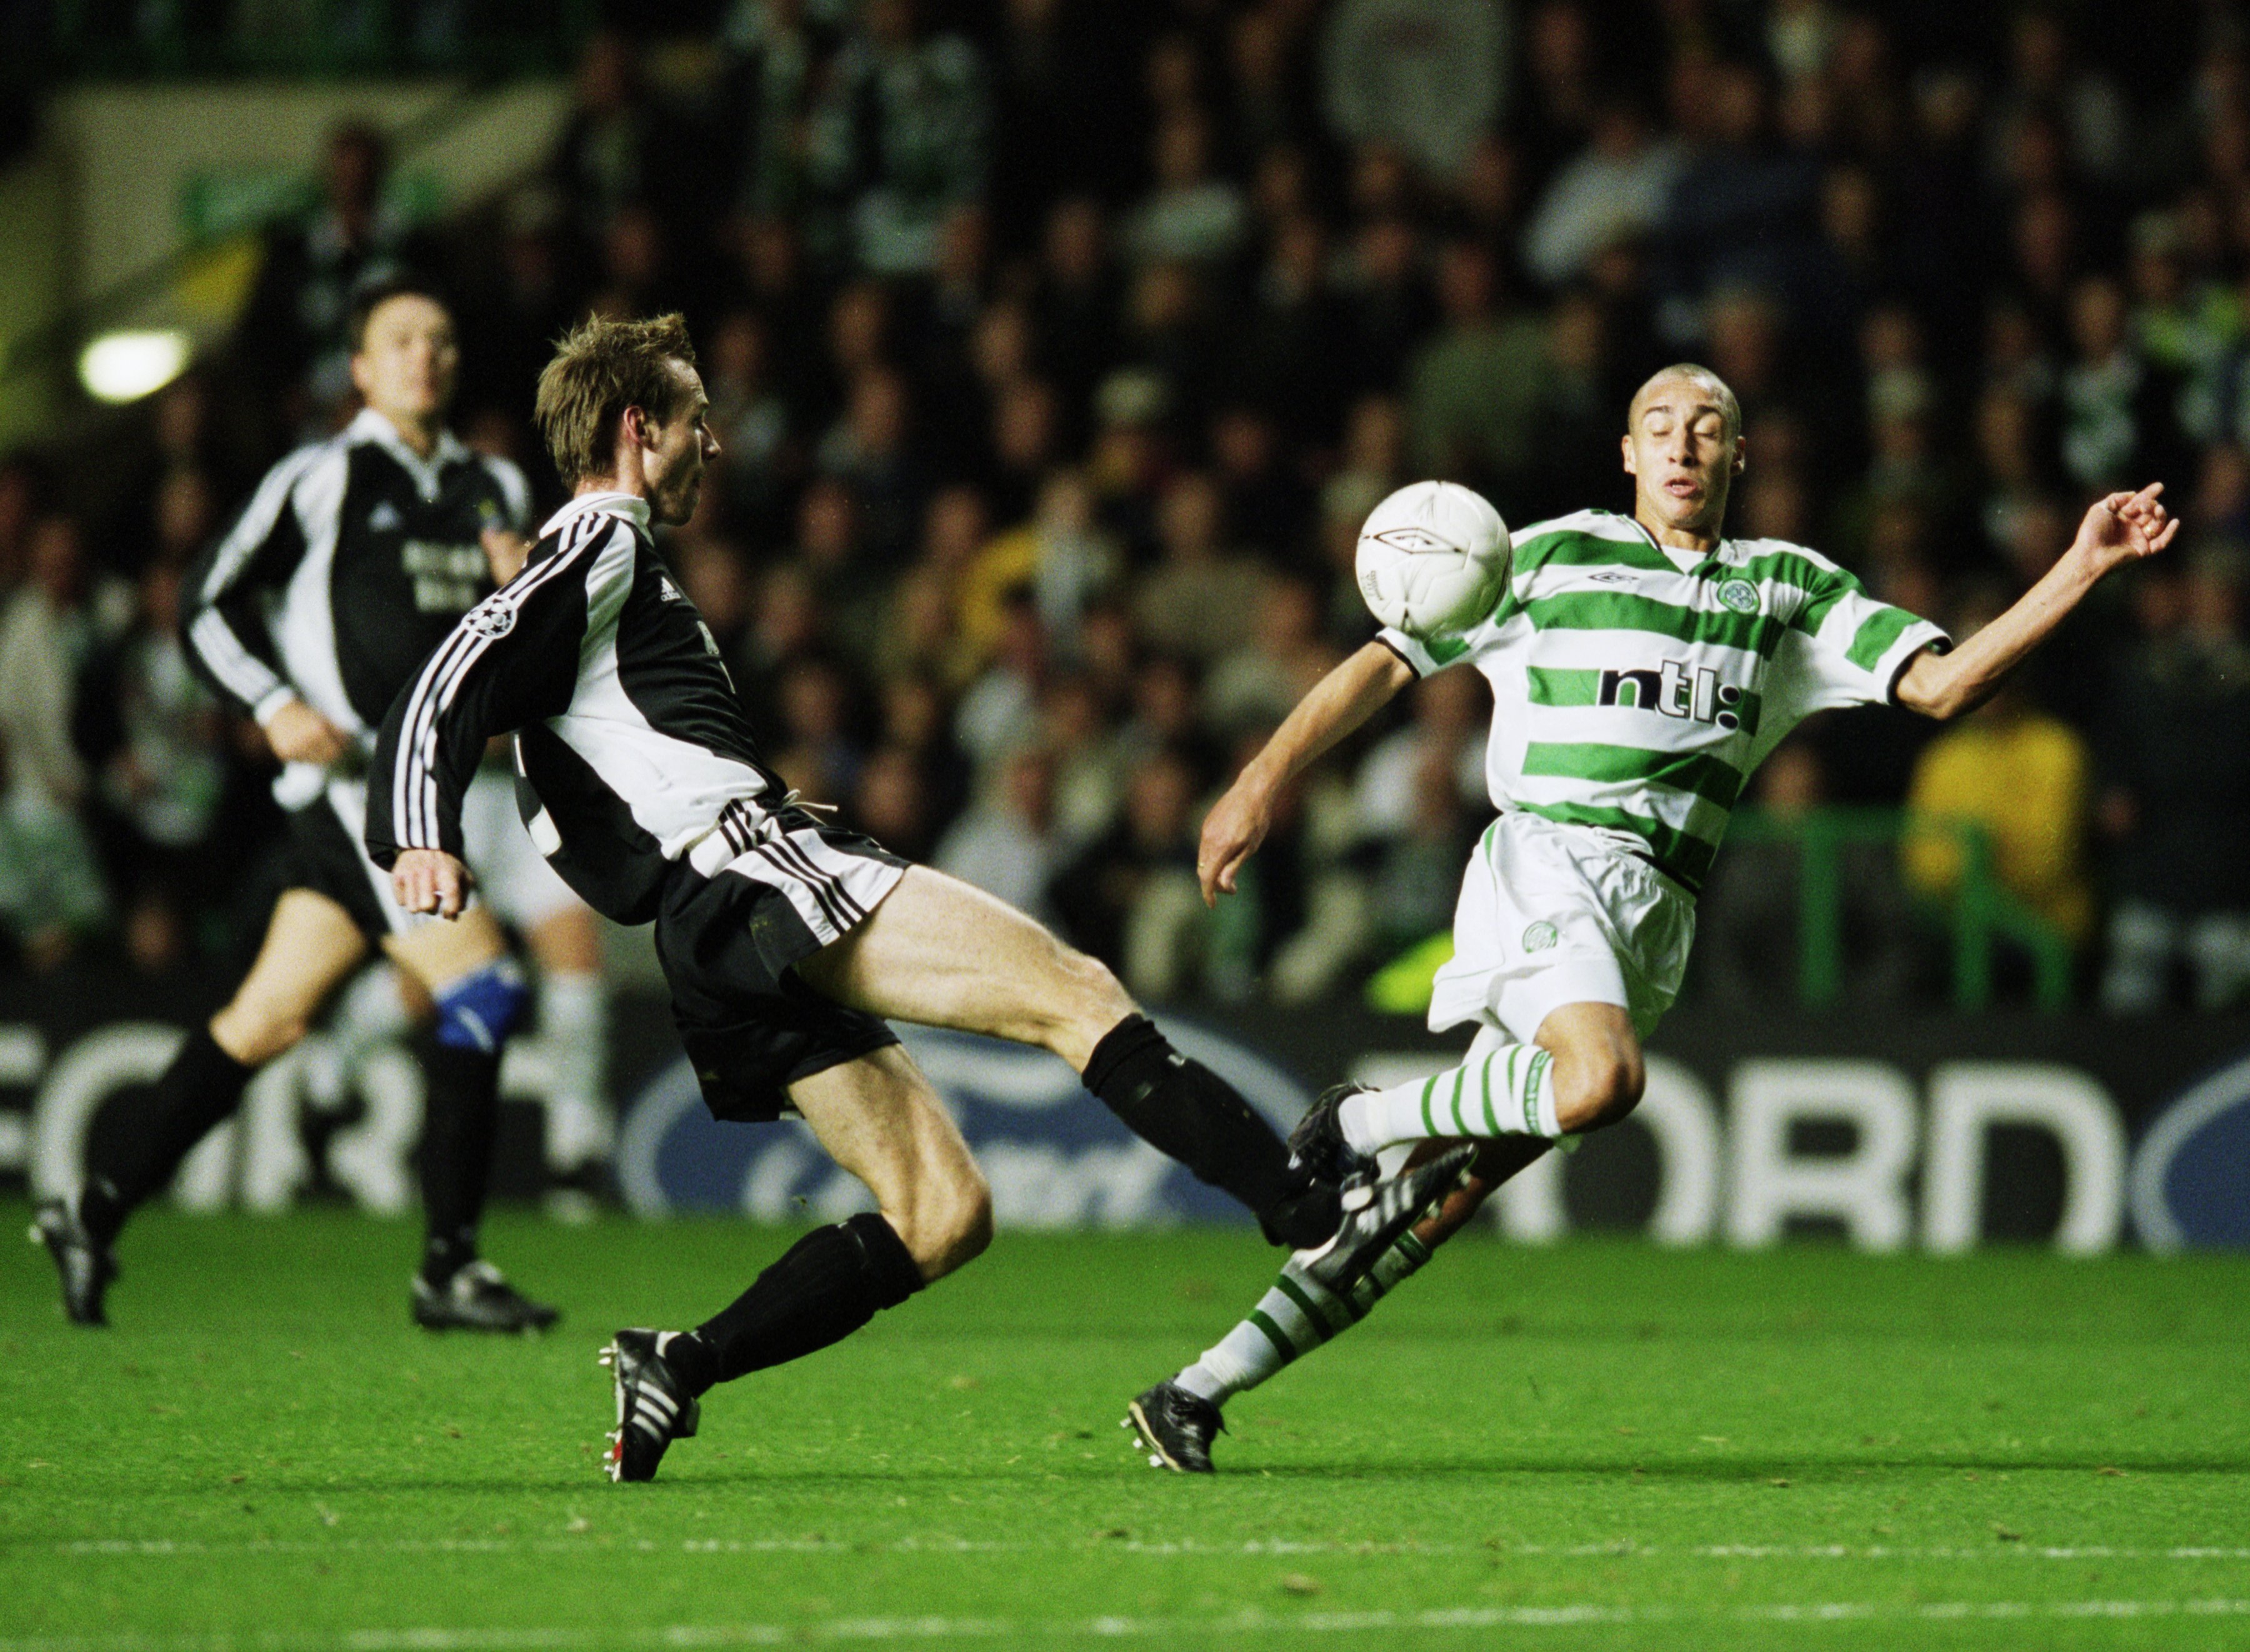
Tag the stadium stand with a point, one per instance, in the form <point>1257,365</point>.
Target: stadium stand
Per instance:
<point>1052,398</point>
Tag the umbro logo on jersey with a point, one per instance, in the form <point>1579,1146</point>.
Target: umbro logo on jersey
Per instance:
<point>385,519</point>
<point>1611,579</point>
<point>1677,690</point>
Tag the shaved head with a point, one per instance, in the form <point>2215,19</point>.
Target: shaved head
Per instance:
<point>1700,378</point>
<point>1683,446</point>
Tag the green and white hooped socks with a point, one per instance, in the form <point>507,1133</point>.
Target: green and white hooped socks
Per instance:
<point>1292,1319</point>
<point>1508,1093</point>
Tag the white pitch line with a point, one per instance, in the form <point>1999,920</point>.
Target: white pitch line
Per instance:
<point>1187,1549</point>
<point>942,1628</point>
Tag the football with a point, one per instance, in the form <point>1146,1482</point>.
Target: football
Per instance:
<point>1432,558</point>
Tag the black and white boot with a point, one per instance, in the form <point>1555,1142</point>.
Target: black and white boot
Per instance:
<point>1377,1210</point>
<point>1174,1427</point>
<point>84,1262</point>
<point>477,1296</point>
<point>1317,1146</point>
<point>654,1409</point>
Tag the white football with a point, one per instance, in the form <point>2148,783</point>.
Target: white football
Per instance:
<point>1432,558</point>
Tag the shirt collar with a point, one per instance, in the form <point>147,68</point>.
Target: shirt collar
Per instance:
<point>632,506</point>
<point>1685,561</point>
<point>371,426</point>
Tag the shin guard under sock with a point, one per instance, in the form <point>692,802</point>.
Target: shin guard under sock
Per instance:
<point>1183,1109</point>
<point>203,1086</point>
<point>823,1288</point>
<point>461,1117</point>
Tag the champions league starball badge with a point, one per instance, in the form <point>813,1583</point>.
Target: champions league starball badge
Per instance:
<point>492,618</point>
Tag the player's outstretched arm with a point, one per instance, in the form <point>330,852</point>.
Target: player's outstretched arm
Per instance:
<point>2122,528</point>
<point>1341,701</point>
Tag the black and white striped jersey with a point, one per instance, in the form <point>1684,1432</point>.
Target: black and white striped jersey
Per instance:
<point>352,560</point>
<point>632,743</point>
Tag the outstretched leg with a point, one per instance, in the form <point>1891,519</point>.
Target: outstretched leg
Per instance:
<point>1177,1420</point>
<point>1583,1070</point>
<point>942,953</point>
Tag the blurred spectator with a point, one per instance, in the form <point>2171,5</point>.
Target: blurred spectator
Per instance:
<point>1190,215</point>
<point>899,139</point>
<point>750,420</point>
<point>1007,844</point>
<point>1424,76</point>
<point>1193,602</point>
<point>1476,387</point>
<point>1060,556</point>
<point>620,150</point>
<point>1056,351</point>
<point>161,777</point>
<point>50,891</point>
<point>771,79</point>
<point>1450,712</point>
<point>1258,683</point>
<point>1131,895</point>
<point>290,335</point>
<point>867,450</point>
<point>1614,190</point>
<point>47,640</point>
<point>2118,409</point>
<point>2176,790</point>
<point>2021,778</point>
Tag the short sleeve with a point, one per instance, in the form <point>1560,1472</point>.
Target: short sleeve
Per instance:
<point>1845,647</point>
<point>1427,656</point>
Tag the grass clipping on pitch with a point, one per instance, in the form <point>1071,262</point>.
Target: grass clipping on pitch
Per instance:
<point>1603,1444</point>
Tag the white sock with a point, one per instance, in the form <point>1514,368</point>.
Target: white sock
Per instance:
<point>1509,1092</point>
<point>573,1025</point>
<point>1293,1319</point>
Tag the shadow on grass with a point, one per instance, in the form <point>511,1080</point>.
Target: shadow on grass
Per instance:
<point>1408,1471</point>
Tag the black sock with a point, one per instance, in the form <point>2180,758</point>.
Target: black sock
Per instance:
<point>461,1116</point>
<point>203,1086</point>
<point>824,1287</point>
<point>1184,1110</point>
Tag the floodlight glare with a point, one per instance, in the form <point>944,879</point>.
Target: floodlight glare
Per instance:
<point>124,367</point>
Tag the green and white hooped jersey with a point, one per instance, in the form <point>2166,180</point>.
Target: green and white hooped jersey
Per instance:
<point>1635,686</point>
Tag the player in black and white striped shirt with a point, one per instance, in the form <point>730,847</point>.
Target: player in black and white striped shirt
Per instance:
<point>354,558</point>
<point>786,941</point>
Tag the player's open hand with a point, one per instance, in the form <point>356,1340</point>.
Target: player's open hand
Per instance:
<point>299,735</point>
<point>430,880</point>
<point>2125,527</point>
<point>1236,824</point>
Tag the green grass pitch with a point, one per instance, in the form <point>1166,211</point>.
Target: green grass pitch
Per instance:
<point>1600,1445</point>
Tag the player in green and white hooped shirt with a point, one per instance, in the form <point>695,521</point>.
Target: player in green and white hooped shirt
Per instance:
<point>1641,667</point>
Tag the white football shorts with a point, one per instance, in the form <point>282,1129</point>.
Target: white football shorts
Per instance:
<point>513,875</point>
<point>1552,915</point>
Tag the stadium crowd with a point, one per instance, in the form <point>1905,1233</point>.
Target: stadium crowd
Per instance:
<point>1058,349</point>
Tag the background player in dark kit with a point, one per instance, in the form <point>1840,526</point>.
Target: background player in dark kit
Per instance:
<point>354,557</point>
<point>785,941</point>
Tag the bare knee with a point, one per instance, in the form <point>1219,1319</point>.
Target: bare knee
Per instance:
<point>947,1222</point>
<point>1091,1000</point>
<point>1597,1087</point>
<point>254,1036</point>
